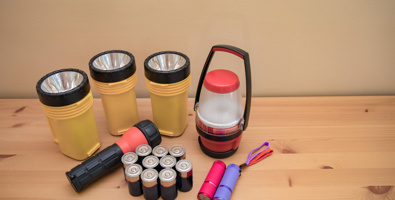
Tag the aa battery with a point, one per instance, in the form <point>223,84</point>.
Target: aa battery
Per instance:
<point>168,162</point>
<point>129,159</point>
<point>143,151</point>
<point>149,179</point>
<point>160,151</point>
<point>178,152</point>
<point>184,175</point>
<point>132,174</point>
<point>151,162</point>
<point>168,187</point>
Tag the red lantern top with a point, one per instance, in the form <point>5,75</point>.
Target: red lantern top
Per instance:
<point>221,81</point>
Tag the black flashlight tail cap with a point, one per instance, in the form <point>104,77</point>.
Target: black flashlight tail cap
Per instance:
<point>101,66</point>
<point>53,91</point>
<point>167,76</point>
<point>150,131</point>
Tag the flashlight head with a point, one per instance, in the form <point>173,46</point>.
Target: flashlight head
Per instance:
<point>166,62</point>
<point>167,67</point>
<point>112,66</point>
<point>63,87</point>
<point>144,132</point>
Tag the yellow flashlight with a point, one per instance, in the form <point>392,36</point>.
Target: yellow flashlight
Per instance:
<point>66,99</point>
<point>167,76</point>
<point>114,77</point>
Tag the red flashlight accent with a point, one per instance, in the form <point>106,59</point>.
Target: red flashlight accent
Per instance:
<point>131,139</point>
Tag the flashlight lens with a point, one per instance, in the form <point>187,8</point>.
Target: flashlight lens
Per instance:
<point>111,61</point>
<point>203,197</point>
<point>62,82</point>
<point>166,62</point>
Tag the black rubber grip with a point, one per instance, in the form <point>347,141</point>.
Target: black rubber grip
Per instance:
<point>95,167</point>
<point>150,132</point>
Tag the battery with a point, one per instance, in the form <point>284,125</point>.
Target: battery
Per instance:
<point>149,179</point>
<point>129,159</point>
<point>168,186</point>
<point>178,152</point>
<point>132,174</point>
<point>160,151</point>
<point>184,175</point>
<point>142,151</point>
<point>151,162</point>
<point>168,162</point>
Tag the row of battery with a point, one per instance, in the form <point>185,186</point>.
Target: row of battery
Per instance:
<point>157,172</point>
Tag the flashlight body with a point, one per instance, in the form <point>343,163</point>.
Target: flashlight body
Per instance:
<point>170,106</point>
<point>74,128</point>
<point>212,180</point>
<point>114,77</point>
<point>119,104</point>
<point>228,183</point>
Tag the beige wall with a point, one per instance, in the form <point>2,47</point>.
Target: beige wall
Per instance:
<point>310,47</point>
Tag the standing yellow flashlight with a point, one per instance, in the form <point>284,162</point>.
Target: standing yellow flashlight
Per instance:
<point>168,78</point>
<point>66,99</point>
<point>114,77</point>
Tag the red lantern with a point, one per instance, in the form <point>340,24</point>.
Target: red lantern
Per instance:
<point>220,118</point>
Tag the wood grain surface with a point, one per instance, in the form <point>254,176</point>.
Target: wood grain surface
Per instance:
<point>324,148</point>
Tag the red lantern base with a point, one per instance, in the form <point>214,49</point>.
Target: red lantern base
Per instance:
<point>219,149</point>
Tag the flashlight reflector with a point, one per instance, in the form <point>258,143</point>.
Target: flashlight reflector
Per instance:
<point>111,61</point>
<point>167,62</point>
<point>62,82</point>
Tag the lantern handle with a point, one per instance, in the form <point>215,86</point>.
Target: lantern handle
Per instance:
<point>243,55</point>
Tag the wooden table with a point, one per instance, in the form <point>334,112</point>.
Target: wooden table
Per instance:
<point>324,148</point>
